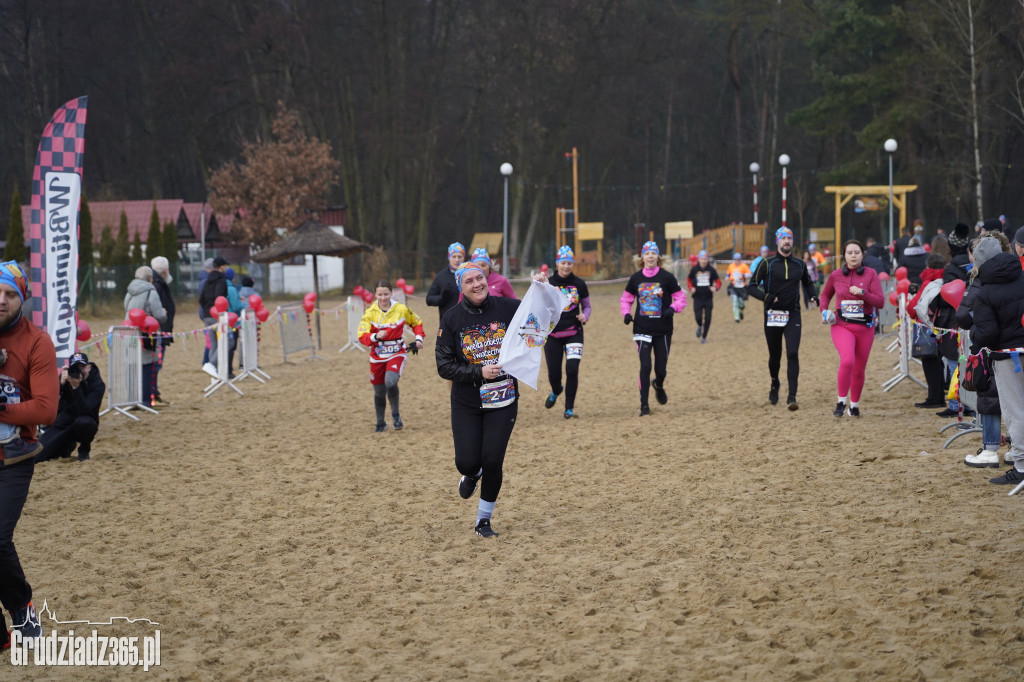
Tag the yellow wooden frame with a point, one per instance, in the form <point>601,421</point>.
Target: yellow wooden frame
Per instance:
<point>844,193</point>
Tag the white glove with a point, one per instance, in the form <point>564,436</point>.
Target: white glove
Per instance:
<point>828,317</point>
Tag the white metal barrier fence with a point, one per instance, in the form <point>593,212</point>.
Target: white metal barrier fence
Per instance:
<point>296,333</point>
<point>124,372</point>
<point>222,330</point>
<point>248,338</point>
<point>355,307</point>
<point>903,341</point>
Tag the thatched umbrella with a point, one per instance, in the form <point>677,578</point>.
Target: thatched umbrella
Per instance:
<point>311,238</point>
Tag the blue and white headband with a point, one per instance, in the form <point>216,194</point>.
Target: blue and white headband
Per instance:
<point>649,246</point>
<point>565,254</point>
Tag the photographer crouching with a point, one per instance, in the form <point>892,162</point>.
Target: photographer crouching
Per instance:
<point>78,413</point>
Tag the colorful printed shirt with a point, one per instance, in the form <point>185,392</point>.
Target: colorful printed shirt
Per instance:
<point>575,289</point>
<point>654,291</point>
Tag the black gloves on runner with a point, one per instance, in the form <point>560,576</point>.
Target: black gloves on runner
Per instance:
<point>627,319</point>
<point>770,300</point>
<point>669,311</point>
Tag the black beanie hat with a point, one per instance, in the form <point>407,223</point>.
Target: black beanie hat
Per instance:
<point>959,239</point>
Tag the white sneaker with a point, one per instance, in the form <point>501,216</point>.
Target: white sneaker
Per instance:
<point>984,458</point>
<point>210,369</point>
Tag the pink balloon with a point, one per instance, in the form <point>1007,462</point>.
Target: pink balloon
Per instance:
<point>311,296</point>
<point>137,316</point>
<point>410,289</point>
<point>214,313</point>
<point>901,273</point>
<point>400,282</point>
<point>953,292</point>
<point>883,276</point>
<point>150,325</point>
<point>262,314</point>
<point>221,304</point>
<point>544,268</point>
<point>232,319</point>
<point>84,333</point>
<point>903,286</point>
<point>308,305</point>
<point>255,301</point>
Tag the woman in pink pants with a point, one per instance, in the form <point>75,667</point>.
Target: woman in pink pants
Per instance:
<point>858,294</point>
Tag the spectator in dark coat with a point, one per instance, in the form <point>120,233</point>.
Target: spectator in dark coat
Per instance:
<point>216,285</point>
<point>444,293</point>
<point>913,259</point>
<point>161,281</point>
<point>78,412</point>
<point>998,307</point>
<point>901,243</point>
<point>876,257</point>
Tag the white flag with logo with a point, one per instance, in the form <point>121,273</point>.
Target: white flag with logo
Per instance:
<point>537,315</point>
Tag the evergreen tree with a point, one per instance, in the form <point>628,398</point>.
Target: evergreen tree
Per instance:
<point>122,246</point>
<point>154,239</point>
<point>137,257</point>
<point>170,241</point>
<point>16,249</point>
<point>85,243</point>
<point>107,246</point>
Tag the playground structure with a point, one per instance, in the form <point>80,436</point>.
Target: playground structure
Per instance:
<point>845,193</point>
<point>720,242</point>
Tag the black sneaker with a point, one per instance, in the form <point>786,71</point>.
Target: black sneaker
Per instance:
<point>645,410</point>
<point>840,410</point>
<point>698,331</point>
<point>773,393</point>
<point>467,486</point>
<point>398,422</point>
<point>1011,477</point>
<point>549,402</point>
<point>855,411</point>
<point>659,392</point>
<point>791,403</point>
<point>741,314</point>
<point>27,622</point>
<point>484,530</point>
<point>381,427</point>
<point>946,413</point>
<point>929,403</point>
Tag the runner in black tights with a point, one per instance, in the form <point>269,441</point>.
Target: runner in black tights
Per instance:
<point>777,282</point>
<point>703,282</point>
<point>567,336</point>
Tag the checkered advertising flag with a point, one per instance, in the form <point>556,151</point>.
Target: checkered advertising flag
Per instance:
<point>53,236</point>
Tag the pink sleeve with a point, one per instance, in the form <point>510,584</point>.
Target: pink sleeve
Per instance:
<point>626,302</point>
<point>507,290</point>
<point>679,301</point>
<point>873,294</point>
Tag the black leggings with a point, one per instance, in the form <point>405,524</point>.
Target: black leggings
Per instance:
<point>661,346</point>
<point>702,313</point>
<point>774,336</point>
<point>554,349</point>
<point>481,437</point>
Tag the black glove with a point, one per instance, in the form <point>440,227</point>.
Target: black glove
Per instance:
<point>770,300</point>
<point>627,319</point>
<point>668,312</point>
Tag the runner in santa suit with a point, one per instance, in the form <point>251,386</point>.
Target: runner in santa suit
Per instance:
<point>381,328</point>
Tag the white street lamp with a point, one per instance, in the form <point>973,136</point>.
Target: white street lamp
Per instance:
<point>506,170</point>
<point>754,167</point>
<point>890,146</point>
<point>784,161</point>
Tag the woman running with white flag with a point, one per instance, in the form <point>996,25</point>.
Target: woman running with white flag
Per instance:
<point>484,398</point>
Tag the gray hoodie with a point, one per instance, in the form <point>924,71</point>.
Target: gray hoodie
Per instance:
<point>142,294</point>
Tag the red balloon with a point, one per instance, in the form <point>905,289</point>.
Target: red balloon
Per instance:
<point>927,248</point>
<point>150,325</point>
<point>901,273</point>
<point>308,305</point>
<point>137,316</point>
<point>883,276</point>
<point>214,313</point>
<point>912,312</point>
<point>127,323</point>
<point>262,314</point>
<point>232,319</point>
<point>693,259</point>
<point>953,292</point>
<point>221,304</point>
<point>311,296</point>
<point>400,282</point>
<point>368,297</point>
<point>903,286</point>
<point>84,333</point>
<point>358,290</point>
<point>255,301</point>
<point>544,268</point>
<point>410,289</point>
<point>894,298</point>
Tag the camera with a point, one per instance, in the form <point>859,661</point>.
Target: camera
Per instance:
<point>75,372</point>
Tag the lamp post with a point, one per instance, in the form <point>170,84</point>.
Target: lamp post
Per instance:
<point>890,146</point>
<point>506,170</point>
<point>754,167</point>
<point>784,161</point>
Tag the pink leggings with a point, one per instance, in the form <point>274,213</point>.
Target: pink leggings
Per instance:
<point>853,341</point>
